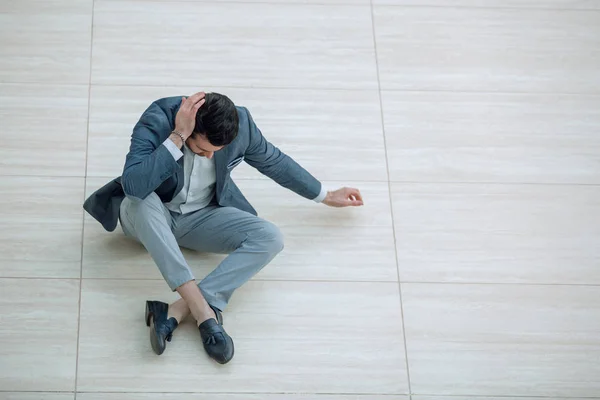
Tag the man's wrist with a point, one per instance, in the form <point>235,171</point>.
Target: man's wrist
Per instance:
<point>171,145</point>
<point>322,195</point>
<point>177,138</point>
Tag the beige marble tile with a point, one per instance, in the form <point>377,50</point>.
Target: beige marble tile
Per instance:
<point>474,137</point>
<point>503,340</point>
<point>479,49</point>
<point>114,111</point>
<point>289,337</point>
<point>276,2</point>
<point>54,118</point>
<point>45,41</point>
<point>38,334</point>
<point>335,134</point>
<point>497,233</point>
<point>312,252</point>
<point>245,396</point>
<point>544,4</point>
<point>286,208</point>
<point>335,253</point>
<point>41,219</point>
<point>36,396</point>
<point>248,45</point>
<point>112,255</point>
<point>418,397</point>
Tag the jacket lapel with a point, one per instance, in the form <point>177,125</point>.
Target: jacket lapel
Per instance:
<point>180,177</point>
<point>220,170</point>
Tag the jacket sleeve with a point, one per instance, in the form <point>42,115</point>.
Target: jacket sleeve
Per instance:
<point>148,163</point>
<point>275,164</point>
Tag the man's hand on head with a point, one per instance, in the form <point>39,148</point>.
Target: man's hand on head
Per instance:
<point>185,120</point>
<point>344,197</point>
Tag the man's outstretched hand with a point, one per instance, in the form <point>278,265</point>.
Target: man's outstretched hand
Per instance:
<point>344,197</point>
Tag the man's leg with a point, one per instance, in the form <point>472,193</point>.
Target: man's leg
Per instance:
<point>251,241</point>
<point>150,222</point>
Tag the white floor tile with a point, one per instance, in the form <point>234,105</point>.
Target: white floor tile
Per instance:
<point>543,4</point>
<point>248,45</point>
<point>479,49</point>
<point>41,219</point>
<point>497,233</point>
<point>276,2</point>
<point>216,396</point>
<point>334,134</point>
<point>495,191</point>
<point>36,396</point>
<point>54,119</point>
<point>334,253</point>
<point>286,208</point>
<point>113,255</point>
<point>503,340</point>
<point>474,137</point>
<point>45,41</point>
<point>38,335</point>
<point>289,337</point>
<point>312,252</point>
<point>418,397</point>
<point>245,396</point>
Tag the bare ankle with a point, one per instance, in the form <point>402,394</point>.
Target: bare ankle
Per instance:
<point>178,310</point>
<point>207,313</point>
<point>194,299</point>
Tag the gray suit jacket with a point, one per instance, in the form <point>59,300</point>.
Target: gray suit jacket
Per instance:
<point>150,167</point>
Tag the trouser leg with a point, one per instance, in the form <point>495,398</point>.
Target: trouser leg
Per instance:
<point>150,222</point>
<point>251,243</point>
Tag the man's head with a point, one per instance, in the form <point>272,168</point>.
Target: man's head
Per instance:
<point>216,125</point>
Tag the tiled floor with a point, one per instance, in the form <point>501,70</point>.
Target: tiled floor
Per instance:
<point>471,126</point>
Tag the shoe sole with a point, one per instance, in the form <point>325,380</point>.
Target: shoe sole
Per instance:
<point>232,353</point>
<point>149,316</point>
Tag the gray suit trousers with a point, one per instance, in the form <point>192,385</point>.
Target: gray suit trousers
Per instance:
<point>251,243</point>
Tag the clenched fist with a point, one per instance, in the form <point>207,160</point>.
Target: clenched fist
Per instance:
<point>344,197</point>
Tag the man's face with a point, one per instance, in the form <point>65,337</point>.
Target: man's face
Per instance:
<point>201,146</point>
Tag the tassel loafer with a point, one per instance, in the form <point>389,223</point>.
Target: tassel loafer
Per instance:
<point>161,327</point>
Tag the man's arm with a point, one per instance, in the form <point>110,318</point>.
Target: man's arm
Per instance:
<point>149,161</point>
<point>275,164</point>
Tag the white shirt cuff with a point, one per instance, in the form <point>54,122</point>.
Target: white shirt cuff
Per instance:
<point>321,196</point>
<point>173,149</point>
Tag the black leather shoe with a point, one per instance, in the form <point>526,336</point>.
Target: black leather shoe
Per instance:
<point>217,343</point>
<point>161,328</point>
<point>218,314</point>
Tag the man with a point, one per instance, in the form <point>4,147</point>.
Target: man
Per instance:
<point>176,190</point>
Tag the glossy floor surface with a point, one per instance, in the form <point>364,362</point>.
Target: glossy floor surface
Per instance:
<point>471,127</point>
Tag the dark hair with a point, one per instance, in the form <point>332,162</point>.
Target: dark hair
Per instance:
<point>217,120</point>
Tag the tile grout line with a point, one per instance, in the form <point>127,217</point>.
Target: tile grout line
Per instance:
<point>406,182</point>
<point>288,280</point>
<point>507,397</point>
<point>87,139</point>
<point>387,165</point>
<point>470,7</point>
<point>312,88</point>
<point>364,4</point>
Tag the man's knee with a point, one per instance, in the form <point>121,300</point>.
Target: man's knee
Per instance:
<point>269,237</point>
<point>144,207</point>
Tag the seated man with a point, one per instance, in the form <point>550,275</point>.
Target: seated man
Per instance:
<point>176,190</point>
